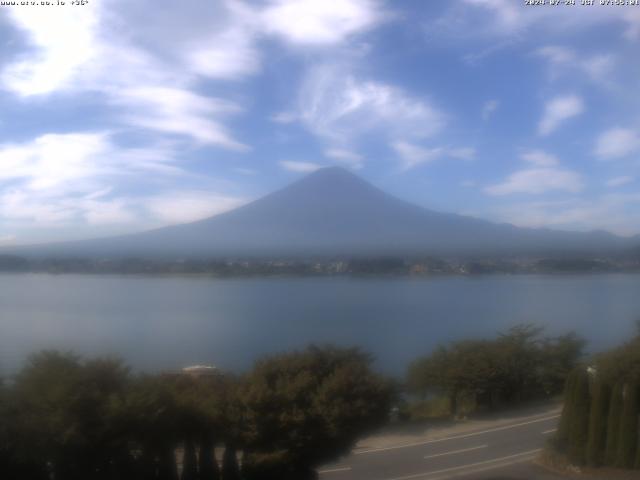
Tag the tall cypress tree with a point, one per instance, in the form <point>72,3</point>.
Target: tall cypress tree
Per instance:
<point>628,436</point>
<point>579,420</point>
<point>230,468</point>
<point>562,436</point>
<point>189,462</point>
<point>613,425</point>
<point>598,423</point>
<point>209,469</point>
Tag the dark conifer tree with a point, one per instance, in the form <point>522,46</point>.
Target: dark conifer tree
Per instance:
<point>613,424</point>
<point>579,420</point>
<point>189,462</point>
<point>208,466</point>
<point>230,468</point>
<point>598,423</point>
<point>628,436</point>
<point>562,436</point>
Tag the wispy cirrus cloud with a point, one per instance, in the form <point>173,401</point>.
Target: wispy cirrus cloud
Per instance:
<point>499,18</point>
<point>346,157</point>
<point>616,143</point>
<point>617,213</point>
<point>309,22</point>
<point>598,67</point>
<point>619,181</point>
<point>337,104</point>
<point>544,176</point>
<point>558,110</point>
<point>299,167</point>
<point>412,155</point>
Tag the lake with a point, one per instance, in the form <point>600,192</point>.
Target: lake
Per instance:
<point>158,323</point>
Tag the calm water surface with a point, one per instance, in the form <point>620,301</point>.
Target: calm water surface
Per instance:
<point>158,323</point>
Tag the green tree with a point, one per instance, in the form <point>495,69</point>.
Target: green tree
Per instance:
<point>564,426</point>
<point>598,423</point>
<point>628,433</point>
<point>313,405</point>
<point>230,467</point>
<point>613,424</point>
<point>66,416</point>
<point>579,420</point>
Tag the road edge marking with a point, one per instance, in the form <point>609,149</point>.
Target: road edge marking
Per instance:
<point>334,470</point>
<point>499,461</point>
<point>453,452</point>
<point>456,437</point>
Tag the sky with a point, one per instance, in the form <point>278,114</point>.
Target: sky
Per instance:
<point>120,116</point>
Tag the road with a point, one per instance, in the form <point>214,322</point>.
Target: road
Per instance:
<point>503,450</point>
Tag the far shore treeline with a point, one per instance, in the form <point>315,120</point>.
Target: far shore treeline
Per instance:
<point>323,266</point>
<point>70,418</point>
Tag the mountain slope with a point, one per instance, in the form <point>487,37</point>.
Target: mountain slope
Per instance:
<point>334,212</point>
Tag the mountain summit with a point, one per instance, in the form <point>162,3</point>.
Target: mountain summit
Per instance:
<point>334,212</point>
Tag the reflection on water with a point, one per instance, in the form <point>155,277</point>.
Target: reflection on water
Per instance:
<point>167,322</point>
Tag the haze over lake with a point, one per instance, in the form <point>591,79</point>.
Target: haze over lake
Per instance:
<point>158,323</point>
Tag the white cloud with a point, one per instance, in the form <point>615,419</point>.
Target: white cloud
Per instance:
<point>300,167</point>
<point>598,68</point>
<point>489,108</point>
<point>509,18</point>
<point>464,153</point>
<point>178,111</point>
<point>336,104</point>
<point>187,206</point>
<point>617,143</point>
<point>312,22</point>
<point>619,181</point>
<point>545,176</point>
<point>537,181</point>
<point>52,160</point>
<point>284,117</point>
<point>245,171</point>
<point>558,110</point>
<point>59,179</point>
<point>63,39</point>
<point>414,155</point>
<point>618,213</point>
<point>86,50</point>
<point>540,158</point>
<point>346,157</point>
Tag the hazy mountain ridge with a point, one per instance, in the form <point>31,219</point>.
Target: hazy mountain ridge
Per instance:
<point>334,212</point>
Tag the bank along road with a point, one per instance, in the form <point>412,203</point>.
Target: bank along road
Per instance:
<point>502,446</point>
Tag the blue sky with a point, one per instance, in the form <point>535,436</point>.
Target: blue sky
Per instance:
<point>120,116</point>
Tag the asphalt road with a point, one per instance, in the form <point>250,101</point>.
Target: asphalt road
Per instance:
<point>504,451</point>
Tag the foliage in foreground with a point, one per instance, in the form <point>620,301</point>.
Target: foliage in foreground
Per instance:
<point>600,424</point>
<point>519,365</point>
<point>70,419</point>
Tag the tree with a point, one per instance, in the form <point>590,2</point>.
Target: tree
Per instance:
<point>313,405</point>
<point>613,424</point>
<point>207,464</point>
<point>579,419</point>
<point>520,364</point>
<point>628,433</point>
<point>230,468</point>
<point>564,427</point>
<point>598,423</point>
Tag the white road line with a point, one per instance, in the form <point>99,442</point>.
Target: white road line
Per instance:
<point>456,437</point>
<point>334,470</point>
<point>547,432</point>
<point>500,462</point>
<point>456,451</point>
